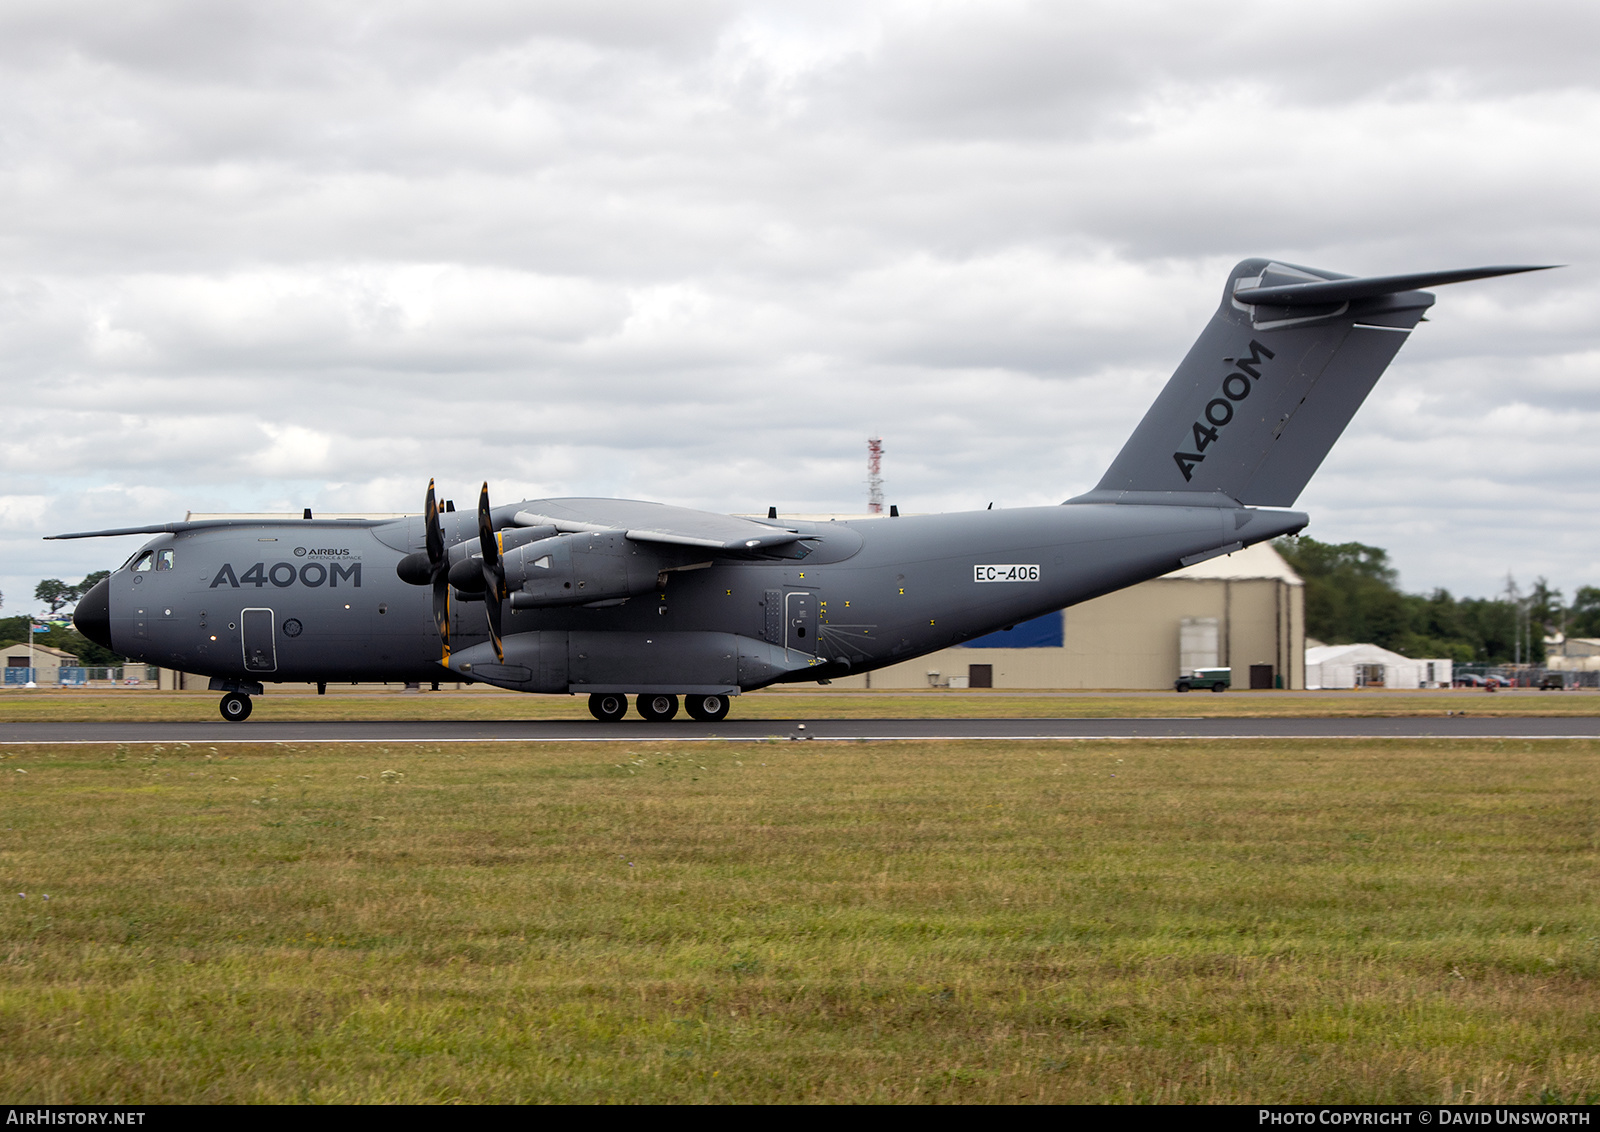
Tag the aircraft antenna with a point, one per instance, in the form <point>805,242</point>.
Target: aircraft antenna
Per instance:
<point>874,475</point>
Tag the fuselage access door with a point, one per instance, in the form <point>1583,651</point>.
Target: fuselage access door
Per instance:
<point>260,647</point>
<point>800,621</point>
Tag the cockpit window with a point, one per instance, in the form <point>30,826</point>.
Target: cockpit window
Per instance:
<point>163,559</point>
<point>145,561</point>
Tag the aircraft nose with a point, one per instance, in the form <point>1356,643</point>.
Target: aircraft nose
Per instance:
<point>93,615</point>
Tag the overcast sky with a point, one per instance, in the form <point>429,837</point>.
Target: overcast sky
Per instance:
<point>265,256</point>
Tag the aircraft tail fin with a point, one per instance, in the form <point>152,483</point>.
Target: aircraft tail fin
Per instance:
<point>1270,384</point>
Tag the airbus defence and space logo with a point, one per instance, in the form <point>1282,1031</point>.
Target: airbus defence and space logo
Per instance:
<point>1218,412</point>
<point>322,552</point>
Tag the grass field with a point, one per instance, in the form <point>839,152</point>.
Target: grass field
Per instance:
<point>488,703</point>
<point>1352,921</point>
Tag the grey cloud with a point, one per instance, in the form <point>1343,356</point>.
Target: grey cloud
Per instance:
<point>289,255</point>
<point>1075,70</point>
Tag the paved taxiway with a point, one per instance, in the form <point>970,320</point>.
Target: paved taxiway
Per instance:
<point>566,731</point>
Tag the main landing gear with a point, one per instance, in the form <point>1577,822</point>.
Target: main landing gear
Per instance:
<point>608,707</point>
<point>235,707</point>
<point>658,707</point>
<point>707,709</point>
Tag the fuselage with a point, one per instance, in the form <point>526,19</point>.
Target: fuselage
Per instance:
<point>321,601</point>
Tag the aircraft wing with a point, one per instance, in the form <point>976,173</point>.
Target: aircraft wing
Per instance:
<point>654,522</point>
<point>215,524</point>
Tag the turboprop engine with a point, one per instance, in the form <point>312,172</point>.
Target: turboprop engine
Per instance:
<point>581,569</point>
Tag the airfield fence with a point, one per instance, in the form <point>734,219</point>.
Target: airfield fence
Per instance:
<point>76,676</point>
<point>1524,676</point>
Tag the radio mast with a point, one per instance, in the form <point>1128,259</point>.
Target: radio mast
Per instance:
<point>874,476</point>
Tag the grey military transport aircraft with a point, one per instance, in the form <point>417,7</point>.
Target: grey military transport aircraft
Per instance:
<point>612,598</point>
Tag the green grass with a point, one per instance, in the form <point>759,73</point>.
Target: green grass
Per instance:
<point>1333,921</point>
<point>486,703</point>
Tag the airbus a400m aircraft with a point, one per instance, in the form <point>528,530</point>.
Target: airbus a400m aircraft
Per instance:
<point>615,598</point>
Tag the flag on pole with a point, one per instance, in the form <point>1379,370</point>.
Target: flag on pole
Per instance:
<point>38,628</point>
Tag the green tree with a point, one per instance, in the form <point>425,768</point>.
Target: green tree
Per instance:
<point>1437,629</point>
<point>15,630</point>
<point>1583,618</point>
<point>1351,594</point>
<point>55,593</point>
<point>1495,623</point>
<point>1544,616</point>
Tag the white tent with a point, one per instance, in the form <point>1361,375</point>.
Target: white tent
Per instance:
<point>1368,666</point>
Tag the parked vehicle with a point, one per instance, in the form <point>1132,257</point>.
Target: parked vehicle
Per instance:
<point>1217,679</point>
<point>1554,682</point>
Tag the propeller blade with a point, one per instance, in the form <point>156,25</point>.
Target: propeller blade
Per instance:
<point>494,575</point>
<point>435,537</point>
<point>441,612</point>
<point>438,570</point>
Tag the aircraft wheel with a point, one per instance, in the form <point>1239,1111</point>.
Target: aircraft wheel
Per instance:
<point>608,707</point>
<point>707,709</point>
<point>1183,686</point>
<point>658,708</point>
<point>1219,687</point>
<point>236,707</point>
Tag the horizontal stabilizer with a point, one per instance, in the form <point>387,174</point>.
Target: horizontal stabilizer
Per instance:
<point>1346,290</point>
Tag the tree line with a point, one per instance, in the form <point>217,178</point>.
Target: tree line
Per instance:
<point>1353,597</point>
<point>55,593</point>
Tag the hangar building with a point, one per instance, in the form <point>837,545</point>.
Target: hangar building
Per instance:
<point>45,663</point>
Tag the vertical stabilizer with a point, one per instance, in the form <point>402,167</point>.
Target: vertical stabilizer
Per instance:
<point>1284,363</point>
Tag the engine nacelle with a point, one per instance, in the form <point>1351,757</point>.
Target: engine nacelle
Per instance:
<point>580,569</point>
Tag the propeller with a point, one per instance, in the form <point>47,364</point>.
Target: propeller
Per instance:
<point>494,573</point>
<point>431,568</point>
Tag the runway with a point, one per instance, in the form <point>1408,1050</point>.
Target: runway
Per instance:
<point>569,731</point>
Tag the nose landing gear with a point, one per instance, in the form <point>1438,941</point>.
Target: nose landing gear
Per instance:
<point>235,707</point>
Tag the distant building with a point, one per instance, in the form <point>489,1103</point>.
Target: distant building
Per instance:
<point>1244,611</point>
<point>46,663</point>
<point>1368,666</point>
<point>1572,654</point>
